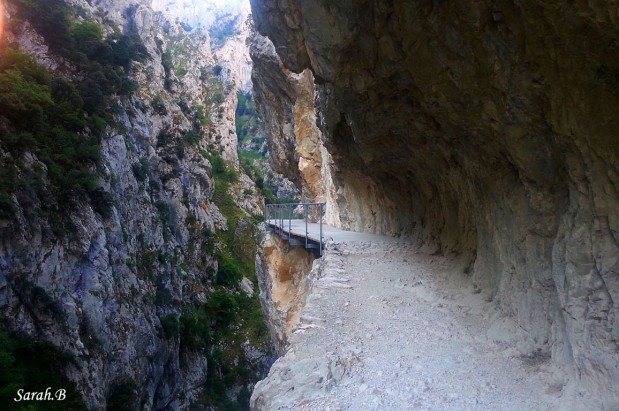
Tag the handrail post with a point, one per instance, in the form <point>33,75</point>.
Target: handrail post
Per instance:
<point>321,207</point>
<point>281,219</point>
<point>306,232</point>
<point>289,221</point>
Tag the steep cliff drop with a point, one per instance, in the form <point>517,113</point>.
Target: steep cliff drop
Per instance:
<point>486,133</point>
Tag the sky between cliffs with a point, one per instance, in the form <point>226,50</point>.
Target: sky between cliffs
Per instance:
<point>230,3</point>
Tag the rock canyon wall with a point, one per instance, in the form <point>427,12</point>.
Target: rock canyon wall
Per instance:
<point>133,270</point>
<point>484,130</point>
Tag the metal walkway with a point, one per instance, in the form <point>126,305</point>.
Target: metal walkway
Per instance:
<point>298,223</point>
<point>302,224</point>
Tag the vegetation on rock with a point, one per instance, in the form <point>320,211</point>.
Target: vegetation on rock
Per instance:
<point>230,318</point>
<point>59,119</point>
<point>224,28</point>
<point>246,119</point>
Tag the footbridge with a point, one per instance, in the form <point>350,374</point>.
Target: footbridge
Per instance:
<point>303,224</point>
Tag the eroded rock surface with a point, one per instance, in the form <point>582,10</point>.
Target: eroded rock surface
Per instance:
<point>285,102</point>
<point>484,130</point>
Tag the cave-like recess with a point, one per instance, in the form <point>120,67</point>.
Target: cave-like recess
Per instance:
<point>483,129</point>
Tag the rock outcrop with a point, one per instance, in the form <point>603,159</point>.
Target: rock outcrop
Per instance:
<point>487,131</point>
<point>285,102</point>
<point>234,66</point>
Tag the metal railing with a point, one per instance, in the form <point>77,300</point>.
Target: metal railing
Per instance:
<point>281,217</point>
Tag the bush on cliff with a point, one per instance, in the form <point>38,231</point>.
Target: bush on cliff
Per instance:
<point>60,120</point>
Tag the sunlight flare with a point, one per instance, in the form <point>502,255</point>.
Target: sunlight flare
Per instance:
<point>1,22</point>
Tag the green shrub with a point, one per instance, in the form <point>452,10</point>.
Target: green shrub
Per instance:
<point>87,35</point>
<point>60,120</point>
<point>165,137</point>
<point>36,298</point>
<point>166,62</point>
<point>170,326</point>
<point>193,137</point>
<point>200,116</point>
<point>166,214</point>
<point>259,182</point>
<point>228,271</point>
<point>141,169</point>
<point>163,297</point>
<point>218,164</point>
<point>24,101</point>
<point>145,265</point>
<point>195,329</point>
<point>104,62</point>
<point>127,48</point>
<point>26,65</point>
<point>52,20</point>
<point>158,105</point>
<point>221,170</point>
<point>208,240</point>
<point>222,307</point>
<point>246,117</point>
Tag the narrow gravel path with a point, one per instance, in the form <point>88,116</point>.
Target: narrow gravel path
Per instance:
<point>385,328</point>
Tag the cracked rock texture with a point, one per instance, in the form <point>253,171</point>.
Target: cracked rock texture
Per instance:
<point>486,130</point>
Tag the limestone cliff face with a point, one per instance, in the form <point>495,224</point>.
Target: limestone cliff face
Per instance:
<point>483,130</point>
<point>117,282</point>
<point>235,69</point>
<point>199,13</point>
<point>285,102</point>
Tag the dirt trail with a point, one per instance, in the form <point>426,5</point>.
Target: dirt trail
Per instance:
<point>387,328</point>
